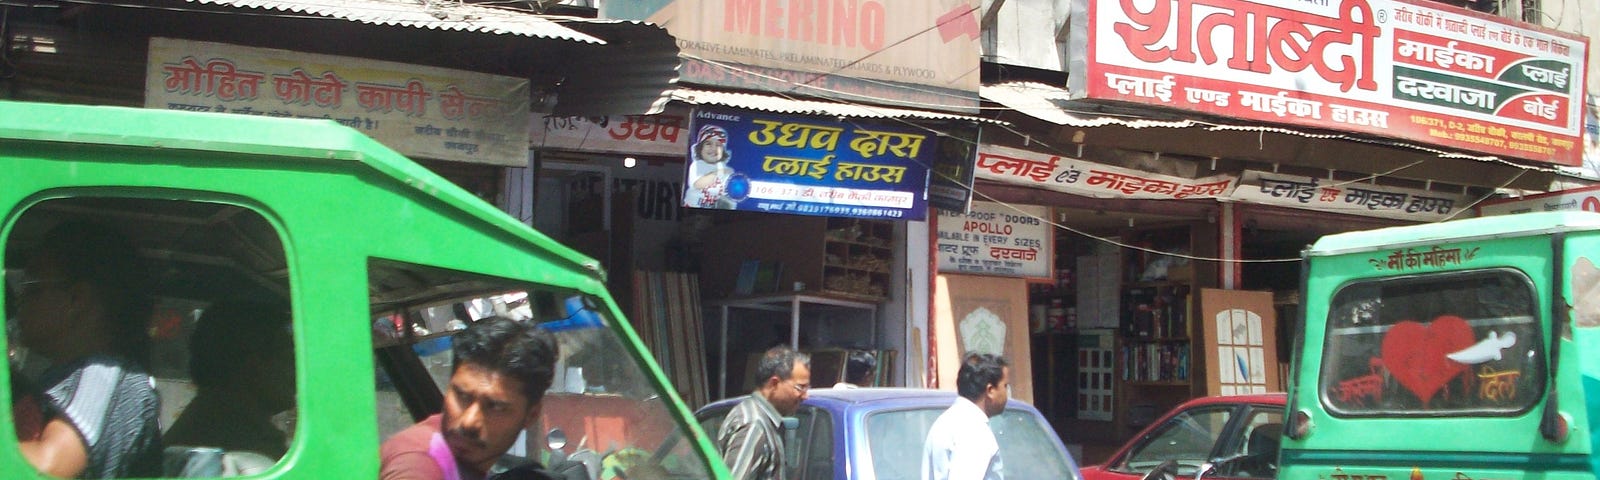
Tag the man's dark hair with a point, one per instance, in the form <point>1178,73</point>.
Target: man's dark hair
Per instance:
<point>779,362</point>
<point>104,258</point>
<point>860,365</point>
<point>229,332</point>
<point>519,350</point>
<point>978,372</point>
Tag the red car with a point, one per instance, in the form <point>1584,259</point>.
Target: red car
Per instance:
<point>1211,437</point>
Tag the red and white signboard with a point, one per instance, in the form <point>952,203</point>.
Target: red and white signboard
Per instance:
<point>661,134</point>
<point>1352,198</point>
<point>1410,70</point>
<point>1586,199</point>
<point>1090,179</point>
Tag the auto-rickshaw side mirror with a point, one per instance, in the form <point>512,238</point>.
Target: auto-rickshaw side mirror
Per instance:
<point>1299,425</point>
<point>555,439</point>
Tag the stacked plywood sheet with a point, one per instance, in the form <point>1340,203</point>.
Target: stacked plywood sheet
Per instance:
<point>668,318</point>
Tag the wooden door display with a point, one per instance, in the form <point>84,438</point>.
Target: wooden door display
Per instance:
<point>1241,341</point>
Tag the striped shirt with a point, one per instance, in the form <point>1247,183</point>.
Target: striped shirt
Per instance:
<point>751,440</point>
<point>114,406</point>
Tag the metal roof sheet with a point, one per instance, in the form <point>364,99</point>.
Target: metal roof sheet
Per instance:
<point>1047,103</point>
<point>780,104</point>
<point>431,14</point>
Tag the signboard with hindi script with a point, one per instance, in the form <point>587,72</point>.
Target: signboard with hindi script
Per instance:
<point>1350,197</point>
<point>626,134</point>
<point>1570,200</point>
<point>422,112</point>
<point>763,162</point>
<point>1404,69</point>
<point>996,239</point>
<point>1090,179</point>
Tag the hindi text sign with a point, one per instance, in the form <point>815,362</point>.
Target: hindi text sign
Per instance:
<point>756,161</point>
<point>423,112</point>
<point>1399,68</point>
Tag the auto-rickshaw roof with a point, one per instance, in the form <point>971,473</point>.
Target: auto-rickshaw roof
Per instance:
<point>1500,226</point>
<point>272,141</point>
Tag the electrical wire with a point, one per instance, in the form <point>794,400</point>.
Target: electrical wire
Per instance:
<point>890,46</point>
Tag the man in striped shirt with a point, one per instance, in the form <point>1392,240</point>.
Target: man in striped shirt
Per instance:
<point>751,437</point>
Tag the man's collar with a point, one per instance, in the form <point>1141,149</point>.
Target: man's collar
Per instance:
<point>766,407</point>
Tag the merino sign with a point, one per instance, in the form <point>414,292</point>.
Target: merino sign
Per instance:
<point>916,53</point>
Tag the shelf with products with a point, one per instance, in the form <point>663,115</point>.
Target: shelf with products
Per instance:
<point>1156,342</point>
<point>761,254</point>
<point>856,257</point>
<point>1053,302</point>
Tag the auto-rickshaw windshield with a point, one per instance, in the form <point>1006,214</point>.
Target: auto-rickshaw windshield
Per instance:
<point>600,398</point>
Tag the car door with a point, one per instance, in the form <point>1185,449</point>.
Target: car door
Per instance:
<point>1250,450</point>
<point>1189,437</point>
<point>808,453</point>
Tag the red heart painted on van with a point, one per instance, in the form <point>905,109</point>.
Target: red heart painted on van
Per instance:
<point>1415,354</point>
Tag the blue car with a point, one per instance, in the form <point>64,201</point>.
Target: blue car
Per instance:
<point>877,433</point>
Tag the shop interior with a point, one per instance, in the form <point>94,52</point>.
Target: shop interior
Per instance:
<point>1116,317</point>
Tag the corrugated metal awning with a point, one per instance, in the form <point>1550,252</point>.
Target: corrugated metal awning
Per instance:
<point>431,14</point>
<point>780,104</point>
<point>1048,103</point>
<point>588,66</point>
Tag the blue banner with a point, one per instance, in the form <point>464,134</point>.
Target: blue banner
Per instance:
<point>761,162</point>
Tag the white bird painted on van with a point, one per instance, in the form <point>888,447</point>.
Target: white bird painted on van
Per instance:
<point>1486,350</point>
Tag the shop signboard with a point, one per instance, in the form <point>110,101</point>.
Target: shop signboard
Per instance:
<point>921,53</point>
<point>763,162</point>
<point>950,182</point>
<point>422,112</point>
<point>1585,198</point>
<point>659,135</point>
<point>1090,179</point>
<point>1405,69</point>
<point>996,239</point>
<point>1349,197</point>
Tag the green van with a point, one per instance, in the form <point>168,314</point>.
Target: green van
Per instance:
<point>1427,352</point>
<point>377,260</point>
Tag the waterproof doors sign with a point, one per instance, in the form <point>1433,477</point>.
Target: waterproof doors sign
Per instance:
<point>996,239</point>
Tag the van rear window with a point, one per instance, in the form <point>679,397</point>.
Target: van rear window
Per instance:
<point>1461,343</point>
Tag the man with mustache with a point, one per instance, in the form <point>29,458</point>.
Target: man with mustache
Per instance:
<point>501,370</point>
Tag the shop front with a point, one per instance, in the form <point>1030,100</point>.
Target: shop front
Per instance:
<point>1184,177</point>
<point>735,222</point>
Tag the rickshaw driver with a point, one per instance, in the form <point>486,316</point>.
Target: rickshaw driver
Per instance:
<point>501,369</point>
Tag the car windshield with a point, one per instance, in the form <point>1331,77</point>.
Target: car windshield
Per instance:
<point>1027,449</point>
<point>1187,438</point>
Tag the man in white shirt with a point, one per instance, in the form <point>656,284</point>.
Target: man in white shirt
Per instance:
<point>960,445</point>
